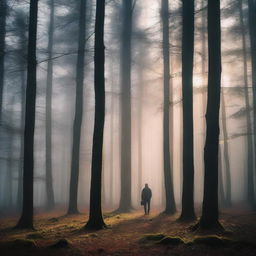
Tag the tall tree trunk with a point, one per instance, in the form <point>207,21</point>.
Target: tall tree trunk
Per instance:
<point>125,198</point>
<point>140,115</point>
<point>26,220</point>
<point>73,188</point>
<point>250,165</point>
<point>226,151</point>
<point>170,206</point>
<point>188,212</point>
<point>95,218</point>
<point>48,124</point>
<point>3,12</point>
<point>252,24</point>
<point>210,211</point>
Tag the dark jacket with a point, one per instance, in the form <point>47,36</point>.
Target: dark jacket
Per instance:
<point>146,194</point>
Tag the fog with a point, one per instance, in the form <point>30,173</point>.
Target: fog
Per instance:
<point>146,104</point>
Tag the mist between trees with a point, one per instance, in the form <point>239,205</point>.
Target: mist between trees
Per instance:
<point>156,80</point>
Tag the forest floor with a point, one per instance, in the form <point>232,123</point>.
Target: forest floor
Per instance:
<point>129,234</point>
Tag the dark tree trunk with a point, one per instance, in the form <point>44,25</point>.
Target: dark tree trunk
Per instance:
<point>170,206</point>
<point>26,220</point>
<point>188,212</point>
<point>3,12</point>
<point>48,124</point>
<point>250,166</point>
<point>73,188</point>
<point>252,24</point>
<point>210,211</point>
<point>95,218</point>
<point>226,152</point>
<point>125,204</point>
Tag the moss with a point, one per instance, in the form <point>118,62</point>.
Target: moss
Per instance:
<point>152,238</point>
<point>214,241</point>
<point>171,241</point>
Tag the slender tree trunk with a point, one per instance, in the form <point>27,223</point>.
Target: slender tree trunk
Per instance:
<point>226,151</point>
<point>125,204</point>
<point>250,166</point>
<point>3,12</point>
<point>188,212</point>
<point>170,206</point>
<point>210,211</point>
<point>73,188</point>
<point>95,218</point>
<point>26,220</point>
<point>252,24</point>
<point>48,135</point>
<point>140,116</point>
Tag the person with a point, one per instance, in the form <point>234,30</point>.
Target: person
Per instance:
<point>146,195</point>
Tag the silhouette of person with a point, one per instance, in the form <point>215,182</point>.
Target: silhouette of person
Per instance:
<point>146,195</point>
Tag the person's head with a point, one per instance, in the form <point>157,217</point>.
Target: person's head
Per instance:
<point>146,185</point>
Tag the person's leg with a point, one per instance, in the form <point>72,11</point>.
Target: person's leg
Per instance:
<point>148,206</point>
<point>145,209</point>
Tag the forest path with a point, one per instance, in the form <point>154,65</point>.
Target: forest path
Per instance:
<point>123,235</point>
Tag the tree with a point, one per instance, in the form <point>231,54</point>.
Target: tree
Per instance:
<point>48,120</point>
<point>252,32</point>
<point>250,166</point>
<point>95,217</point>
<point>170,206</point>
<point>20,28</point>
<point>3,13</point>
<point>125,198</point>
<point>188,212</point>
<point>26,220</point>
<point>210,213</point>
<point>73,188</point>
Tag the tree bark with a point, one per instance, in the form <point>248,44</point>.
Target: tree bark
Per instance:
<point>95,217</point>
<point>125,203</point>
<point>48,123</point>
<point>170,206</point>
<point>210,211</point>
<point>188,212</point>
<point>73,188</point>
<point>26,220</point>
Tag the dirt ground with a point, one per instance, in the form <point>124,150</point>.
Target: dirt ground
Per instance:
<point>56,234</point>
